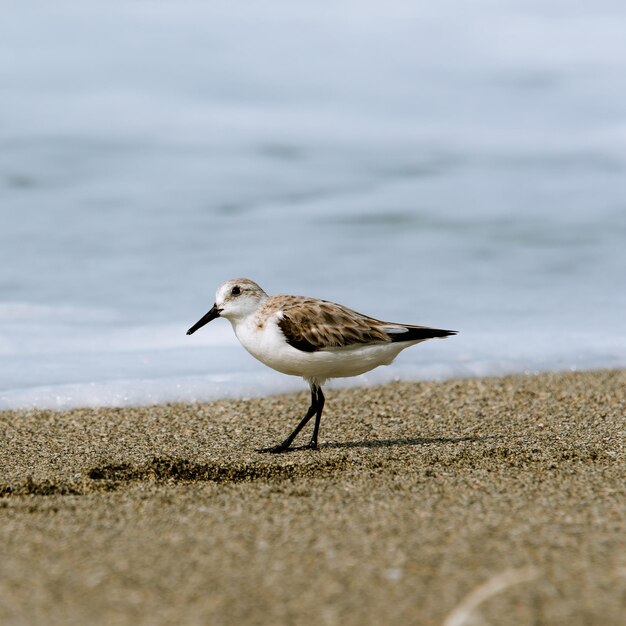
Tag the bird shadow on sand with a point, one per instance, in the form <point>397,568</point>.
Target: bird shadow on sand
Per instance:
<point>401,441</point>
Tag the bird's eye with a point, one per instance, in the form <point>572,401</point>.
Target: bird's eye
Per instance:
<point>236,290</point>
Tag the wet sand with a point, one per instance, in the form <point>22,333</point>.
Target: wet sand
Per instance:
<point>482,501</point>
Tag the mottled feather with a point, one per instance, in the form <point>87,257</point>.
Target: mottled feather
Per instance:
<point>311,325</point>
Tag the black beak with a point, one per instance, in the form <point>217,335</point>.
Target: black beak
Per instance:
<point>211,315</point>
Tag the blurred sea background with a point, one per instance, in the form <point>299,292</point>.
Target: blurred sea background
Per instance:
<point>454,164</point>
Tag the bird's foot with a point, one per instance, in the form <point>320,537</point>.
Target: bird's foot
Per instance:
<point>285,447</point>
<point>275,449</point>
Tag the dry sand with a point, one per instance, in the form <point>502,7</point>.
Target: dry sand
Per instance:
<point>491,501</point>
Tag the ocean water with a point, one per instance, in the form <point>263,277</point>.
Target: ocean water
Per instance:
<point>461,165</point>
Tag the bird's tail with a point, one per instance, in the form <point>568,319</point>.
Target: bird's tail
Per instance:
<point>418,333</point>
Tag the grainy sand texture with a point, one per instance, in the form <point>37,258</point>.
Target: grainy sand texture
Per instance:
<point>483,501</point>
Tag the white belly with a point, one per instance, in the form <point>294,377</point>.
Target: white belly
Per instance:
<point>268,345</point>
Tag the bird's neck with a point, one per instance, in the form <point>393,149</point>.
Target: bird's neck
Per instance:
<point>243,323</point>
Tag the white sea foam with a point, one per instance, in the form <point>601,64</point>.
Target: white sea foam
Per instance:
<point>193,374</point>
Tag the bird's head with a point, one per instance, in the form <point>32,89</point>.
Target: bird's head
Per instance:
<point>235,300</point>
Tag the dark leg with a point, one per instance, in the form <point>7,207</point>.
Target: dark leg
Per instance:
<point>318,418</point>
<point>309,414</point>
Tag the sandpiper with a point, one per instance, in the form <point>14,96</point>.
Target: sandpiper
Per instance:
<point>311,338</point>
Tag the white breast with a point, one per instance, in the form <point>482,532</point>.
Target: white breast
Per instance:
<point>267,344</point>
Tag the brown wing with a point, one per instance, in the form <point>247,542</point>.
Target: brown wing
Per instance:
<point>311,325</point>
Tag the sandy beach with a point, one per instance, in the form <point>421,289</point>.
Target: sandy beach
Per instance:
<point>482,501</point>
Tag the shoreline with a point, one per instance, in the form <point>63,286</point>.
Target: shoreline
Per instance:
<point>294,386</point>
<point>420,495</point>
